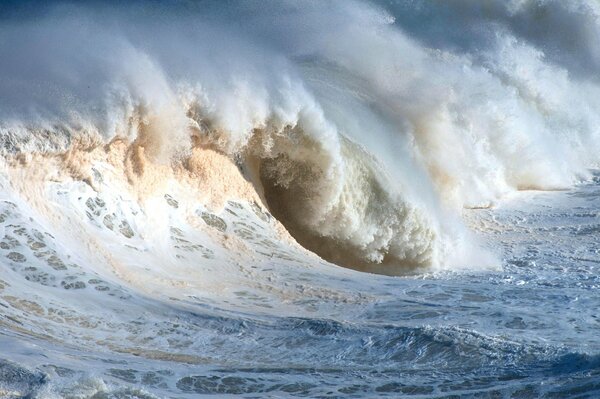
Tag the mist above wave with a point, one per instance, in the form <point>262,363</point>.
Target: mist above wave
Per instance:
<point>361,123</point>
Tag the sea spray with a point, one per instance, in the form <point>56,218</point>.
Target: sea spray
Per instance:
<point>344,97</point>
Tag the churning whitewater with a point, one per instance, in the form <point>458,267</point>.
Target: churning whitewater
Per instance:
<point>314,199</point>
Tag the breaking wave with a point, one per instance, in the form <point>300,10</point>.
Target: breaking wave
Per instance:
<point>180,180</point>
<point>361,131</point>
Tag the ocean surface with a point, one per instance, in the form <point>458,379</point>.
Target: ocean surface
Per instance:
<point>300,199</point>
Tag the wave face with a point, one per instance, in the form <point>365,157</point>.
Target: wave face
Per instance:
<point>177,178</point>
<point>361,125</point>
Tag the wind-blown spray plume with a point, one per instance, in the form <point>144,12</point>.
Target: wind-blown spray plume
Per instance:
<point>361,135</point>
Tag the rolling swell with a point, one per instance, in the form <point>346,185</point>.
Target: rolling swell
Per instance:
<point>474,366</point>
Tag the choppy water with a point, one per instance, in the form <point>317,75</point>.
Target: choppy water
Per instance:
<point>314,330</point>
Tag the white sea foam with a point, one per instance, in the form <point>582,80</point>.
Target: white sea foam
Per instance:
<point>361,134</point>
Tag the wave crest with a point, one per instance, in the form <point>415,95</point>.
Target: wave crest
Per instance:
<point>362,132</point>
